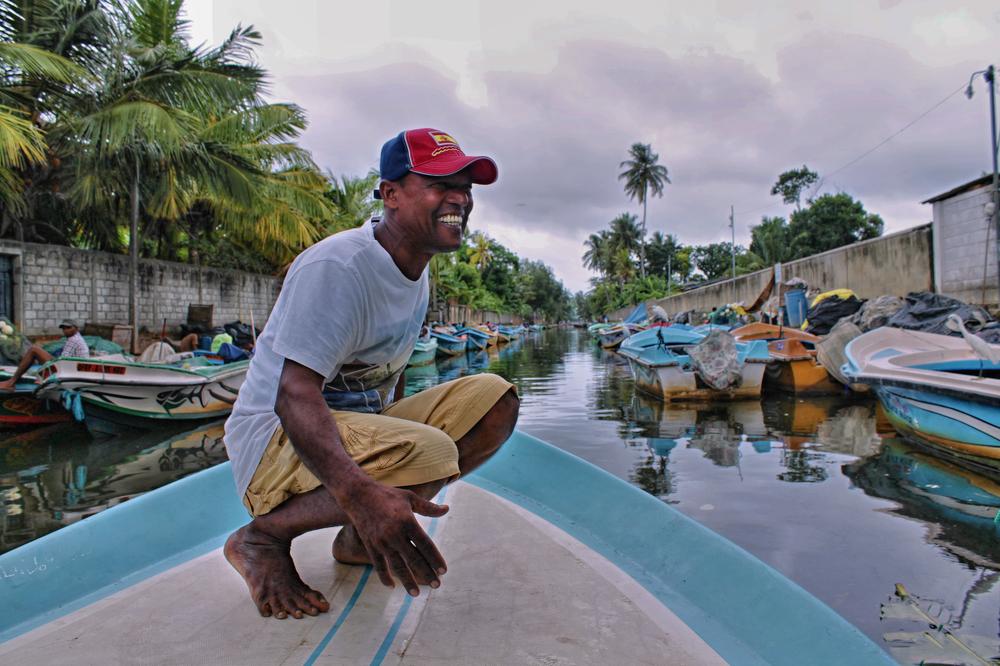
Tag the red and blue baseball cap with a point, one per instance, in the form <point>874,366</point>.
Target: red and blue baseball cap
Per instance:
<point>431,152</point>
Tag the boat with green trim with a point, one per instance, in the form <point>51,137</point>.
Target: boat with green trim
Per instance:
<point>424,351</point>
<point>113,391</point>
<point>526,542</point>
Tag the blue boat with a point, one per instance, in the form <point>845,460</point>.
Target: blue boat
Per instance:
<point>424,352</point>
<point>935,391</point>
<point>475,340</point>
<point>623,579</point>
<point>662,366</point>
<point>449,345</point>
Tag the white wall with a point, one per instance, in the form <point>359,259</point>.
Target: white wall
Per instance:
<point>960,248</point>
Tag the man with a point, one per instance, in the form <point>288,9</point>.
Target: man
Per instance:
<point>75,346</point>
<point>340,334</point>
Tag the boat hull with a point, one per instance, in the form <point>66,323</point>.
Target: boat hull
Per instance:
<point>672,382</point>
<point>20,409</point>
<point>801,376</point>
<point>963,430</point>
<point>447,348</point>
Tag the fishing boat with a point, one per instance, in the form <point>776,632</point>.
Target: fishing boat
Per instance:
<point>611,338</point>
<point>21,407</point>
<point>539,573</point>
<point>475,340</point>
<point>793,367</point>
<point>494,338</point>
<point>935,391</point>
<point>512,332</point>
<point>448,344</point>
<point>662,364</point>
<point>424,351</point>
<point>110,392</point>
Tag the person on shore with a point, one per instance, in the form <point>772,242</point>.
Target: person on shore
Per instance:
<point>320,435</point>
<point>75,346</point>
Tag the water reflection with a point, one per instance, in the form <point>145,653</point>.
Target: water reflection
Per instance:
<point>56,476</point>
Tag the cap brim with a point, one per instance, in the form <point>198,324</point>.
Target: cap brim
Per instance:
<point>482,169</point>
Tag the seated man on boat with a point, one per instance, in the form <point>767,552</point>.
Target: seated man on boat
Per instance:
<point>320,435</point>
<point>75,346</point>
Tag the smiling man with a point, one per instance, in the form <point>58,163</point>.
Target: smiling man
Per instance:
<point>320,434</point>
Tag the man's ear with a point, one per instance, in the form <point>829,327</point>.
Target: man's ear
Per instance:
<point>389,191</point>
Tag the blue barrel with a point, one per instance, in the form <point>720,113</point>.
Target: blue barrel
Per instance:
<point>205,342</point>
<point>796,307</point>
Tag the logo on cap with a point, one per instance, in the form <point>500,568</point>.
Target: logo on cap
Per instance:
<point>444,143</point>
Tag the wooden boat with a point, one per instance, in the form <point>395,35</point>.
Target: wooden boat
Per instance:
<point>934,390</point>
<point>475,340</point>
<point>525,542</point>
<point>448,344</point>
<point>112,391</point>
<point>512,332</point>
<point>793,367</point>
<point>611,338</point>
<point>662,367</point>
<point>424,352</point>
<point>493,339</point>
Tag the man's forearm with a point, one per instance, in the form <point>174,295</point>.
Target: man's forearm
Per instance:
<point>312,430</point>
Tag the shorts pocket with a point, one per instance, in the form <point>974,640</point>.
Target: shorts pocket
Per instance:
<point>372,449</point>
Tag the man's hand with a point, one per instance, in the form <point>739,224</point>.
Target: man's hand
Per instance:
<point>395,541</point>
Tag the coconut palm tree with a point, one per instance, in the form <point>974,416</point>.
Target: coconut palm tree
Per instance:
<point>595,257</point>
<point>643,175</point>
<point>481,252</point>
<point>352,201</point>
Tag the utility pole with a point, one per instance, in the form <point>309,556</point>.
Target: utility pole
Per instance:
<point>732,247</point>
<point>989,74</point>
<point>990,77</point>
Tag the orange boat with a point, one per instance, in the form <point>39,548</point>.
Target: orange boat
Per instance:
<point>793,366</point>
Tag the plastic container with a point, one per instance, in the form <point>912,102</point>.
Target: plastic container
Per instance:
<point>796,307</point>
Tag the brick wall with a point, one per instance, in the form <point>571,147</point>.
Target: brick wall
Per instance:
<point>52,282</point>
<point>961,249</point>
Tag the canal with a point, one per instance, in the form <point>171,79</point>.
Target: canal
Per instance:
<point>820,489</point>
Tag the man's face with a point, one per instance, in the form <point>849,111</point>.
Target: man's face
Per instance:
<point>68,331</point>
<point>434,209</point>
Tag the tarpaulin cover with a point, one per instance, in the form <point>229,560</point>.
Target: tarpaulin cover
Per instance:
<point>825,314</point>
<point>639,314</point>
<point>876,313</point>
<point>924,311</point>
<point>716,360</point>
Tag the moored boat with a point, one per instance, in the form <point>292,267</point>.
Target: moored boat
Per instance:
<point>475,340</point>
<point>424,351</point>
<point>117,392</point>
<point>494,338</point>
<point>525,523</point>
<point>934,390</point>
<point>662,364</point>
<point>793,367</point>
<point>611,338</point>
<point>449,345</point>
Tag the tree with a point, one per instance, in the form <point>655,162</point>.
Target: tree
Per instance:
<point>595,257</point>
<point>715,260</point>
<point>643,174</point>
<point>791,183</point>
<point>770,241</point>
<point>481,253</point>
<point>665,253</point>
<point>352,201</point>
<point>831,221</point>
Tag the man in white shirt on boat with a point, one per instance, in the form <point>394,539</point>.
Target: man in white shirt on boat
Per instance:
<point>75,347</point>
<point>320,435</point>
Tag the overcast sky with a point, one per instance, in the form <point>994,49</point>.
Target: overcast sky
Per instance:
<point>729,93</point>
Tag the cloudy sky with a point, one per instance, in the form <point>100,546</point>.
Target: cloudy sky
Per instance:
<point>729,93</point>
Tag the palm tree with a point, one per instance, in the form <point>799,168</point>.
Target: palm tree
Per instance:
<point>595,257</point>
<point>643,174</point>
<point>481,253</point>
<point>352,200</point>
<point>625,233</point>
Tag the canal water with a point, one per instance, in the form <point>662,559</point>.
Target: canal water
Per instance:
<point>821,488</point>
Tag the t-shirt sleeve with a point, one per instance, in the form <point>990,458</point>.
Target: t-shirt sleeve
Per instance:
<point>320,316</point>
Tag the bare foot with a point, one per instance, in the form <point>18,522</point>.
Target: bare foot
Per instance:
<point>347,549</point>
<point>8,384</point>
<point>266,565</point>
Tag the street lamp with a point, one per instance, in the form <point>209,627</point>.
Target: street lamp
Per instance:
<point>989,74</point>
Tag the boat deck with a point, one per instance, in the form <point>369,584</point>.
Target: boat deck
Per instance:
<point>518,590</point>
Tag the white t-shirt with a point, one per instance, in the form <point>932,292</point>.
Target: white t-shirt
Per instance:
<point>347,312</point>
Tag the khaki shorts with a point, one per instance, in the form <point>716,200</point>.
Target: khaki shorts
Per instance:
<point>411,442</point>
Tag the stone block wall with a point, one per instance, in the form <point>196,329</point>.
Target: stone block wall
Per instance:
<point>53,282</point>
<point>961,250</point>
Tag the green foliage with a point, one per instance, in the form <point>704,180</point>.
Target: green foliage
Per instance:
<point>770,241</point>
<point>643,175</point>
<point>831,221</point>
<point>790,184</point>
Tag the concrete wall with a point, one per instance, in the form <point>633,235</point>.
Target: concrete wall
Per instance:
<point>53,282</point>
<point>961,251</point>
<point>895,264</point>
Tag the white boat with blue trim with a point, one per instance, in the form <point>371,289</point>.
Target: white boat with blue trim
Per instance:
<point>935,390</point>
<point>551,560</point>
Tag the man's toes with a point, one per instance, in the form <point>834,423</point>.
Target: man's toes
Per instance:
<point>318,601</point>
<point>265,609</point>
